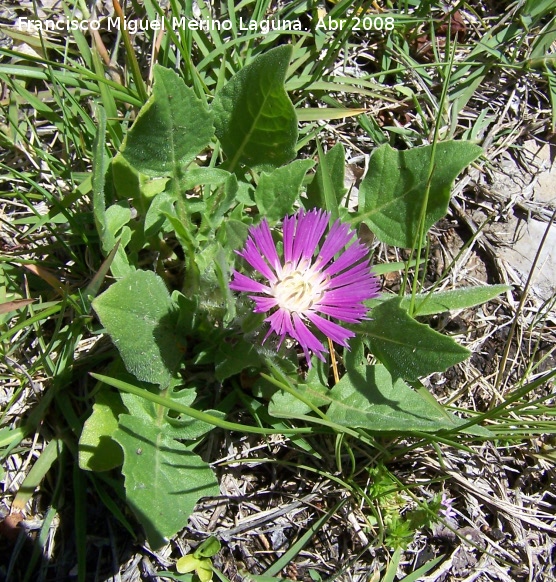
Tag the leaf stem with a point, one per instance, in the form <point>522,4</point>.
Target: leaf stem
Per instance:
<point>333,361</point>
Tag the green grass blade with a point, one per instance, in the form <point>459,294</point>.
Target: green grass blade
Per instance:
<point>295,548</point>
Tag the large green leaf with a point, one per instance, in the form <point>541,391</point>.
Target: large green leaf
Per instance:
<point>407,348</point>
<point>163,479</point>
<point>277,191</point>
<point>428,304</point>
<point>332,165</point>
<point>255,120</point>
<point>368,397</point>
<point>392,194</point>
<point>140,317</point>
<point>171,129</point>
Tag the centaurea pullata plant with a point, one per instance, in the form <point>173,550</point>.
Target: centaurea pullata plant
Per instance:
<point>307,274</point>
<point>309,283</point>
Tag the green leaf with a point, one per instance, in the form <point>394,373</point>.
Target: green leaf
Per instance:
<point>97,450</point>
<point>431,303</point>
<point>221,201</point>
<point>187,564</point>
<point>277,191</point>
<point>111,221</point>
<point>536,8</point>
<point>286,405</point>
<point>129,183</point>
<point>209,548</point>
<point>368,397</point>
<point>117,216</point>
<point>407,348</point>
<point>204,571</point>
<point>171,129</point>
<point>328,193</point>
<point>384,268</point>
<point>551,78</point>
<point>393,191</point>
<point>120,266</point>
<point>100,169</point>
<point>234,356</point>
<point>140,317</point>
<point>236,233</point>
<point>255,120</point>
<point>163,479</point>
<point>197,176</point>
<point>223,270</point>
<point>333,166</point>
<point>41,466</point>
<point>155,217</point>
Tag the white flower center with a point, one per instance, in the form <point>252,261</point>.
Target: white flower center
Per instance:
<point>298,290</point>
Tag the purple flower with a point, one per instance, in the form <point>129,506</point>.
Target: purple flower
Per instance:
<point>309,283</point>
<point>446,508</point>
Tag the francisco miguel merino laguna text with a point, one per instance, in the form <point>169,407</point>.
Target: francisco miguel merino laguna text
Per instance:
<point>133,26</point>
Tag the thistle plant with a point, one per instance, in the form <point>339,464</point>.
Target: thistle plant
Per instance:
<point>304,269</point>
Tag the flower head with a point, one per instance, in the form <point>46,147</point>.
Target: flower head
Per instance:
<point>446,507</point>
<point>315,278</point>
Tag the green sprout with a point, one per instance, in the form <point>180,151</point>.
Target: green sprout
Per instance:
<point>200,560</point>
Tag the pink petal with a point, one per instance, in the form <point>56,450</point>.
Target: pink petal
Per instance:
<point>263,239</point>
<point>352,255</point>
<point>348,314</point>
<point>337,238</point>
<point>263,303</point>
<point>242,283</point>
<point>307,340</point>
<point>253,256</point>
